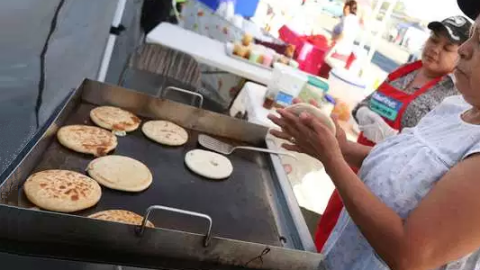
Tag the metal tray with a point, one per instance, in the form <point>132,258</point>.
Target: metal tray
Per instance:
<point>255,206</point>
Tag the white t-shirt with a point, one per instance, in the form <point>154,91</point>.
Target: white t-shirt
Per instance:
<point>349,26</point>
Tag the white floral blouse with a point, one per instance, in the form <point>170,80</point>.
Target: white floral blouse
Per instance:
<point>401,171</point>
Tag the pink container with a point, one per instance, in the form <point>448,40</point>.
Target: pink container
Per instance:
<point>267,59</point>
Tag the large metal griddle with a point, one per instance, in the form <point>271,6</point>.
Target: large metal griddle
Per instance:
<point>250,220</point>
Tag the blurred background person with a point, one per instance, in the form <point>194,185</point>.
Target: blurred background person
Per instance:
<point>343,39</point>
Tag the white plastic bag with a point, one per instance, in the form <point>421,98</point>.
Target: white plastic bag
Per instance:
<point>226,9</point>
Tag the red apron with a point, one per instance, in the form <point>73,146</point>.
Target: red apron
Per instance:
<point>390,103</point>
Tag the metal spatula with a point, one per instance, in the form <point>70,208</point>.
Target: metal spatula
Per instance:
<point>226,149</point>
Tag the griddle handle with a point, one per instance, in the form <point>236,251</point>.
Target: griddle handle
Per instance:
<point>199,96</point>
<point>140,230</point>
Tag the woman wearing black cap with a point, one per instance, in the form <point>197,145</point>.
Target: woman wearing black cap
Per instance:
<point>407,95</point>
<point>415,202</point>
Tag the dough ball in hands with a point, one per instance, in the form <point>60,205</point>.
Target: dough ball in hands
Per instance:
<point>299,108</point>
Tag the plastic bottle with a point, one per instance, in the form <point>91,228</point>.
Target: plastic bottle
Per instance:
<point>230,13</point>
<point>222,8</point>
<point>328,105</point>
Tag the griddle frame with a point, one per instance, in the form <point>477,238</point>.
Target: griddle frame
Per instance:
<point>90,91</point>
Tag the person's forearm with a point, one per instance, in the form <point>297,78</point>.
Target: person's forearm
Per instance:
<point>355,153</point>
<point>380,225</point>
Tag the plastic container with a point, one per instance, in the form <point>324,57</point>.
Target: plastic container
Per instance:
<point>268,57</point>
<point>255,55</point>
<point>290,84</point>
<point>230,12</point>
<point>293,63</point>
<point>222,9</point>
<point>328,104</point>
<point>315,89</point>
<point>285,85</point>
<point>226,9</point>
<point>347,87</point>
<point>273,87</point>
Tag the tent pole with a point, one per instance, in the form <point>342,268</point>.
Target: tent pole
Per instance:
<point>376,40</point>
<point>373,18</point>
<point>107,55</point>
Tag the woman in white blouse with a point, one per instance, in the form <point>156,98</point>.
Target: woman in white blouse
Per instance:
<point>415,202</point>
<point>345,32</point>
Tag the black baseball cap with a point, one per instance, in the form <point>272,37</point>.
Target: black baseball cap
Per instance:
<point>456,27</point>
<point>471,8</point>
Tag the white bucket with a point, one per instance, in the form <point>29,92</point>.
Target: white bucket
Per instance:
<point>346,86</point>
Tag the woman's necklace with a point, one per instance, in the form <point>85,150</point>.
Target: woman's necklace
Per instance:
<point>418,81</point>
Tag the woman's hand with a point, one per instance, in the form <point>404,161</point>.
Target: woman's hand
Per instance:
<point>308,135</point>
<point>340,133</point>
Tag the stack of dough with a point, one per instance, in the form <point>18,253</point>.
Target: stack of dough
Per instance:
<point>121,216</point>
<point>62,191</point>
<point>115,119</point>
<point>87,139</point>
<point>120,173</point>
<point>165,132</point>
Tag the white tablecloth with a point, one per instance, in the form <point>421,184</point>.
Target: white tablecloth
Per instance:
<point>206,51</point>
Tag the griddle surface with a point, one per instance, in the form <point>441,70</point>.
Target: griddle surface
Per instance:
<point>240,206</point>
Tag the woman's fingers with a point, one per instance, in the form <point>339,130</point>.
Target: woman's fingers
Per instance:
<point>277,120</point>
<point>292,123</point>
<point>291,147</point>
<point>314,124</point>
<point>280,134</point>
<point>335,121</point>
<point>287,115</point>
<point>291,119</point>
<point>285,125</point>
<point>311,101</point>
<point>299,126</point>
<point>314,102</point>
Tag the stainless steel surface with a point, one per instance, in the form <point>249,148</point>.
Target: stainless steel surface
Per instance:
<point>84,239</point>
<point>170,88</point>
<point>250,207</point>
<point>189,117</point>
<point>208,234</point>
<point>292,204</point>
<point>227,149</point>
<point>17,262</point>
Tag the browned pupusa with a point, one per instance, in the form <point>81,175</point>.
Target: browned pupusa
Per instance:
<point>165,132</point>
<point>114,118</point>
<point>121,216</point>
<point>120,173</point>
<point>62,190</point>
<point>87,139</point>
